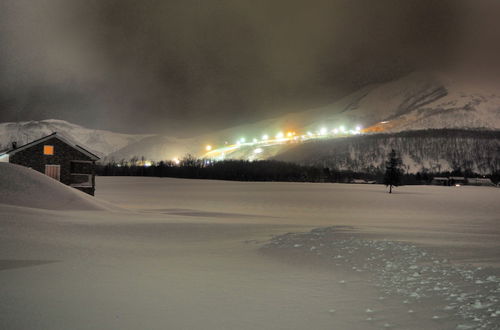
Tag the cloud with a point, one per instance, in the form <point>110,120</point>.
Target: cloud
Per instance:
<point>201,65</point>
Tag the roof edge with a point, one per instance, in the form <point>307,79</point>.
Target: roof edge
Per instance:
<point>60,137</point>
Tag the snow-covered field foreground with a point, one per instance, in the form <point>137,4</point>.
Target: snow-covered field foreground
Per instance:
<point>157,253</point>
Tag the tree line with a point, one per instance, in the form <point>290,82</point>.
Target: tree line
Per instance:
<point>433,151</point>
<point>261,170</point>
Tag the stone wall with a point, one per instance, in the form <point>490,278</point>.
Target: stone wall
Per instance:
<point>33,157</point>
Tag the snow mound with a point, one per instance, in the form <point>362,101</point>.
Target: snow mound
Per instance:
<point>22,186</point>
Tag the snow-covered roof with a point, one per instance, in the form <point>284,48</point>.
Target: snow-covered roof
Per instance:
<point>48,137</point>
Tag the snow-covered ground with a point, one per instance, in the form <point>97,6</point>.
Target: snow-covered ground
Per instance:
<point>190,254</point>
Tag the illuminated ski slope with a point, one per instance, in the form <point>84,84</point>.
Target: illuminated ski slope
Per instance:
<point>265,141</point>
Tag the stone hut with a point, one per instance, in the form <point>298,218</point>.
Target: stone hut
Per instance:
<point>59,158</point>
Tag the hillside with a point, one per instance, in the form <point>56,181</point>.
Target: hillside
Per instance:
<point>156,147</point>
<point>421,151</point>
<point>100,142</point>
<point>419,101</point>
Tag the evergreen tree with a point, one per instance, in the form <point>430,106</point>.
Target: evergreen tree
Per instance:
<point>393,173</point>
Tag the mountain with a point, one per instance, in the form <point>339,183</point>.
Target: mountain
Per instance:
<point>99,142</point>
<point>418,102</point>
<point>437,122</point>
<point>421,100</point>
<point>157,147</point>
<point>107,145</point>
<point>435,150</point>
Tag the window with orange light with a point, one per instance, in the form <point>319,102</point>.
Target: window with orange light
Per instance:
<point>48,150</point>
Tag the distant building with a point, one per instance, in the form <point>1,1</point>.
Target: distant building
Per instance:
<point>57,157</point>
<point>457,180</point>
<point>460,180</point>
<point>480,182</point>
<point>441,181</point>
<point>362,181</point>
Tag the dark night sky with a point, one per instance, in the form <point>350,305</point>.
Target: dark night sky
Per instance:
<point>188,66</point>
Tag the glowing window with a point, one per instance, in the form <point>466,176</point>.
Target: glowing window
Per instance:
<point>48,150</point>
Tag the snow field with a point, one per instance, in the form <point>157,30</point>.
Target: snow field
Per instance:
<point>188,254</point>
<point>430,287</point>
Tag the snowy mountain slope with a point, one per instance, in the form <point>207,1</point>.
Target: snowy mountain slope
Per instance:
<point>98,141</point>
<point>419,101</point>
<point>383,102</point>
<point>156,147</point>
<point>463,116</point>
<point>457,110</point>
<point>421,151</point>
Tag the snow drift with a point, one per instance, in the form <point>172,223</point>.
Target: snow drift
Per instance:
<point>22,186</point>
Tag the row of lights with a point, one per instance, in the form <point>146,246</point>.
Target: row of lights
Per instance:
<point>280,135</point>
